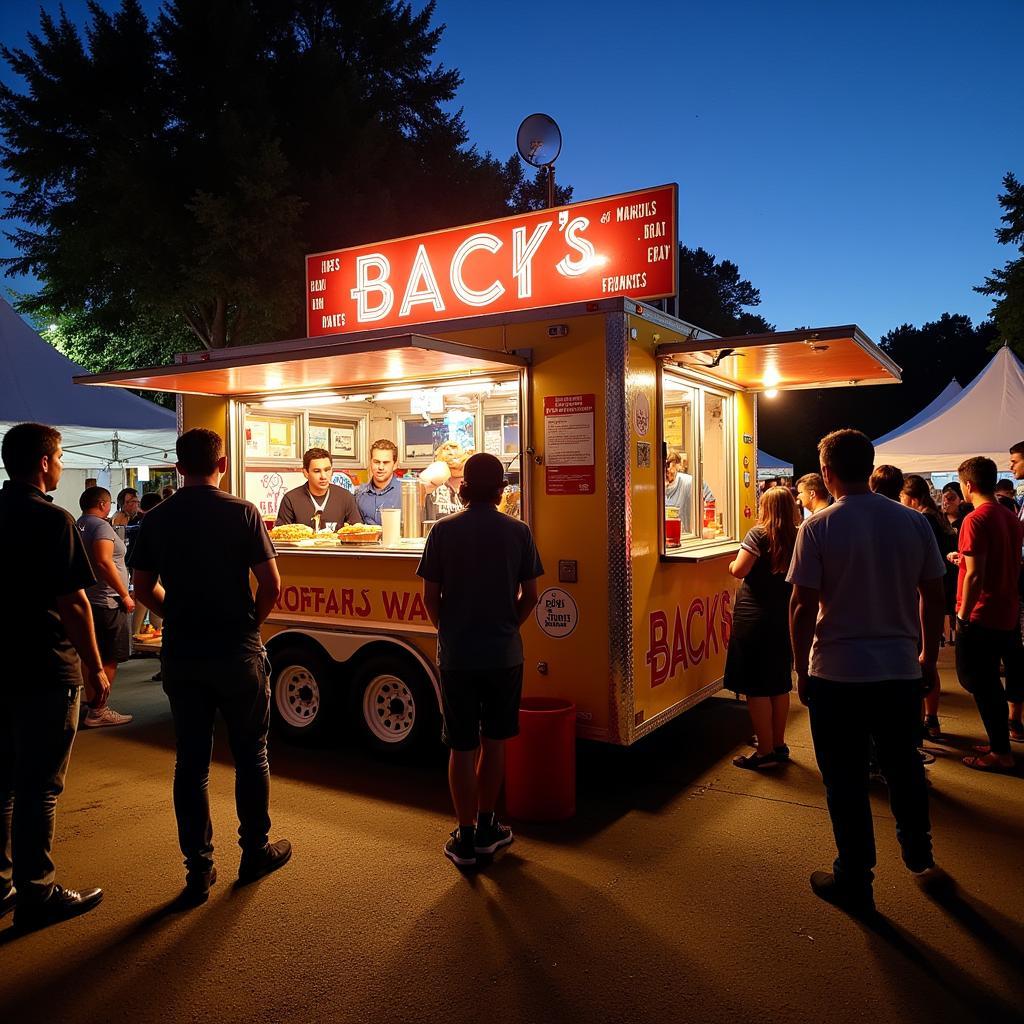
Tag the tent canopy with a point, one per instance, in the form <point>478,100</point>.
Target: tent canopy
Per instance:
<point>769,466</point>
<point>986,418</point>
<point>99,427</point>
<point>940,401</point>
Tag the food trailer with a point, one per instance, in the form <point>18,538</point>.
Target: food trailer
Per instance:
<point>534,338</point>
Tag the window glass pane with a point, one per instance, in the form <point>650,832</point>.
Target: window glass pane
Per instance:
<point>680,501</point>
<point>714,469</point>
<point>271,437</point>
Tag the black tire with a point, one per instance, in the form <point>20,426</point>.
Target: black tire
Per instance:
<point>394,705</point>
<point>303,692</point>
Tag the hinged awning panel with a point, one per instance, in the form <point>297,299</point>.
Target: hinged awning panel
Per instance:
<point>812,358</point>
<point>317,368</point>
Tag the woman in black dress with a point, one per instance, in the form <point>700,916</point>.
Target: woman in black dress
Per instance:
<point>916,494</point>
<point>760,659</point>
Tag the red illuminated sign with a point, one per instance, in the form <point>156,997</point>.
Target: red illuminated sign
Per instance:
<point>621,245</point>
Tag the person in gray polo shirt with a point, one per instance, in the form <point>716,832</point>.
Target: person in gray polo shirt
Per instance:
<point>109,598</point>
<point>865,619</point>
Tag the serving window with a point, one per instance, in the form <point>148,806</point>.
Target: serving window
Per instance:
<point>433,427</point>
<point>698,444</point>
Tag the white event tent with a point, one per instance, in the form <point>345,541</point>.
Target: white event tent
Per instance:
<point>942,399</point>
<point>985,418</point>
<point>768,466</point>
<point>103,429</point>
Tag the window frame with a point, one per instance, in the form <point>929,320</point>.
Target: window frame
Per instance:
<point>694,543</point>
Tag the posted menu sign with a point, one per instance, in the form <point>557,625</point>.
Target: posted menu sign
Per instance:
<point>623,245</point>
<point>569,444</point>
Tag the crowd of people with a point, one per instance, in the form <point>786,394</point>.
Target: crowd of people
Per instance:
<point>67,629</point>
<point>854,599</point>
<point>850,595</point>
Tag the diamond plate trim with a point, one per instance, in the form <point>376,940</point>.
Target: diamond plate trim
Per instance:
<point>620,532</point>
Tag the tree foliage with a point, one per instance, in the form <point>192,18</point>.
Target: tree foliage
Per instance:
<point>174,173</point>
<point>1007,283</point>
<point>712,295</point>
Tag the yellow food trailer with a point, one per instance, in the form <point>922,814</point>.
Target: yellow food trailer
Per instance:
<point>582,400</point>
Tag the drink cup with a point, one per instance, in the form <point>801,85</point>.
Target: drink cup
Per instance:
<point>391,521</point>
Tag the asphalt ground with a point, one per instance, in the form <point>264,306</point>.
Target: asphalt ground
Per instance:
<point>678,893</point>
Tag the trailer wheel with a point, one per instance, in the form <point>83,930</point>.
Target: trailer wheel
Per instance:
<point>395,704</point>
<point>302,690</point>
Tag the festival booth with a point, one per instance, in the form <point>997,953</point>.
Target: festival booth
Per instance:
<point>103,432</point>
<point>525,337</point>
<point>985,418</point>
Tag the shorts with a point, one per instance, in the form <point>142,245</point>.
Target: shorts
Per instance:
<point>113,634</point>
<point>480,702</point>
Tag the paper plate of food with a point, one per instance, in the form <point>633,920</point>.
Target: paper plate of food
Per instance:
<point>359,533</point>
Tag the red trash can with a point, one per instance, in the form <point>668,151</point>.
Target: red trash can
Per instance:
<point>540,766</point>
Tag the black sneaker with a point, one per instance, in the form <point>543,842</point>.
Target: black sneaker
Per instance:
<point>197,885</point>
<point>272,857</point>
<point>7,901</point>
<point>782,752</point>
<point>492,837</point>
<point>1016,731</point>
<point>461,850</point>
<point>852,900</point>
<point>62,904</point>
<point>932,728</point>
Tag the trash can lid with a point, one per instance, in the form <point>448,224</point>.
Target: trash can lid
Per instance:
<point>547,705</point>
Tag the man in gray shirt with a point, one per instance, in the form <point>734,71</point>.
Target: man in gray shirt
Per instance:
<point>109,598</point>
<point>867,587</point>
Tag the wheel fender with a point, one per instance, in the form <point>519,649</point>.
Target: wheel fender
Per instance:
<point>343,647</point>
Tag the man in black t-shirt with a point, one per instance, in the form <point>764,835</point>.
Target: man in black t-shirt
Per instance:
<point>46,633</point>
<point>479,572</point>
<point>192,562</point>
<point>318,503</point>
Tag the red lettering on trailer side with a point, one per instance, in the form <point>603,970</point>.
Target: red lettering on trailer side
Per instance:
<point>702,631</point>
<point>657,648</point>
<point>697,651</point>
<point>395,604</point>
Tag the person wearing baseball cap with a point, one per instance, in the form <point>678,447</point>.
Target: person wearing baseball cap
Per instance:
<point>479,570</point>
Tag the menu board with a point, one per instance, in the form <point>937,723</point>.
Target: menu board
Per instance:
<point>569,444</point>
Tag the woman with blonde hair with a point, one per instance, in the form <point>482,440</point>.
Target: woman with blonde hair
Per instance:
<point>760,660</point>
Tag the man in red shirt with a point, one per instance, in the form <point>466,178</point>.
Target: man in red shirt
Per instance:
<point>987,606</point>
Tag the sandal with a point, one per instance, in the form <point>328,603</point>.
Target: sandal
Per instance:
<point>755,762</point>
<point>979,764</point>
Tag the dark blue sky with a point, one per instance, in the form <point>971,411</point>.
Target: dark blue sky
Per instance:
<point>847,157</point>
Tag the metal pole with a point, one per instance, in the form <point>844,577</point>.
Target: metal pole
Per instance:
<point>551,185</point>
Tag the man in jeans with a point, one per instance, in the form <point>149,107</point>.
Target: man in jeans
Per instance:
<point>479,571</point>
<point>867,585</point>
<point>192,561</point>
<point>49,649</point>
<point>988,612</point>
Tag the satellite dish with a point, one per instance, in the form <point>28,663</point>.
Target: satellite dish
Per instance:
<point>539,140</point>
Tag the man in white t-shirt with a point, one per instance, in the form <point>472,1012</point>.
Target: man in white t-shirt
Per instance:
<point>867,585</point>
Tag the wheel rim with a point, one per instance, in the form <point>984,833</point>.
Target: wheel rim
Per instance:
<point>389,708</point>
<point>297,696</point>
